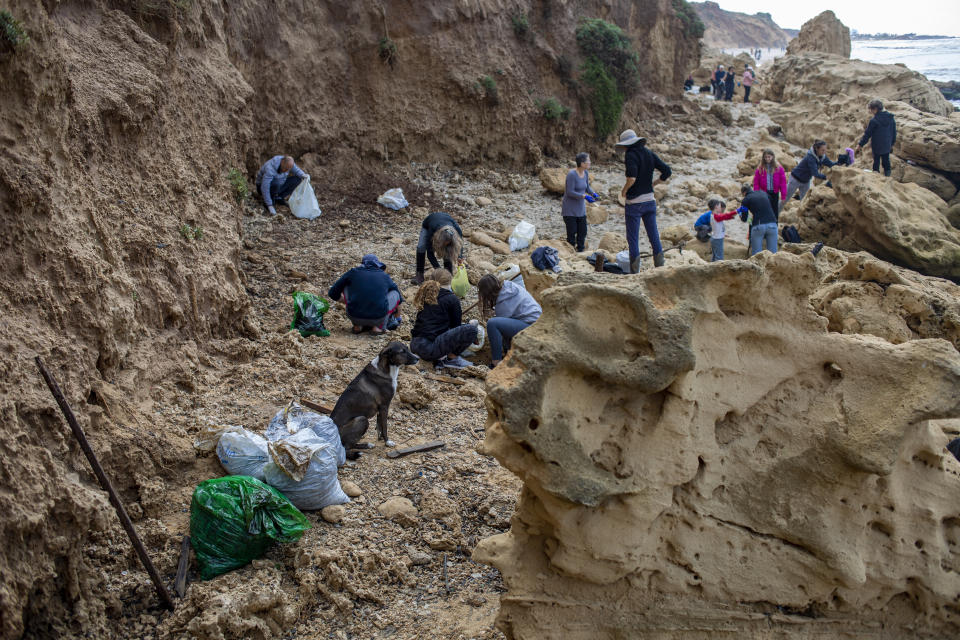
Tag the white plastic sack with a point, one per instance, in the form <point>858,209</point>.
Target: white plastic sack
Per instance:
<point>294,418</point>
<point>243,453</point>
<point>303,202</point>
<point>393,199</point>
<point>522,236</point>
<point>623,261</point>
<point>319,486</point>
<point>508,271</point>
<point>478,345</point>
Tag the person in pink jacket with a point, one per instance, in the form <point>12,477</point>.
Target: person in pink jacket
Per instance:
<point>748,80</point>
<point>770,178</point>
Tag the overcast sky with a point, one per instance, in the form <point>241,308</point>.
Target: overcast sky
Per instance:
<point>939,17</point>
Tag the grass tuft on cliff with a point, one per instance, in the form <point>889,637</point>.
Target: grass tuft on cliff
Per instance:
<point>12,34</point>
<point>552,109</point>
<point>692,24</point>
<point>611,70</point>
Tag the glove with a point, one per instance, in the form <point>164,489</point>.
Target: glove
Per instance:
<point>741,210</point>
<point>589,198</point>
<point>596,196</point>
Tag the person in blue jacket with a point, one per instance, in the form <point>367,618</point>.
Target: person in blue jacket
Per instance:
<point>882,133</point>
<point>372,297</point>
<point>807,169</point>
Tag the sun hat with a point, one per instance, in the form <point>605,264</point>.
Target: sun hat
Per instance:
<point>628,138</point>
<point>371,260</point>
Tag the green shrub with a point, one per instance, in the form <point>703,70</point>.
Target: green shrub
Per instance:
<point>692,24</point>
<point>606,101</point>
<point>610,46</point>
<point>387,50</point>
<point>191,233</point>
<point>12,34</point>
<point>551,109</point>
<point>239,183</point>
<point>489,86</point>
<point>521,24</point>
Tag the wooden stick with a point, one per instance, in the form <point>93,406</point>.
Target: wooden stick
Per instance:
<point>442,378</point>
<point>428,446</point>
<point>316,406</point>
<point>165,599</point>
<point>180,584</point>
<point>446,582</point>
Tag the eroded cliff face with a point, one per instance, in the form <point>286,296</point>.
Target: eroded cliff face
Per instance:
<point>119,122</point>
<point>825,34</point>
<point>710,449</point>
<point>727,29</point>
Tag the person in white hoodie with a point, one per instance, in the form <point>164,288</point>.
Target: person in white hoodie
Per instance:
<point>513,308</point>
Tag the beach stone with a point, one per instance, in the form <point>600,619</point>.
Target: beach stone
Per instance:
<point>333,513</point>
<point>596,214</point>
<point>400,510</point>
<point>350,488</point>
<point>554,180</point>
<point>722,112</point>
<point>484,202</point>
<point>417,556</point>
<point>612,243</point>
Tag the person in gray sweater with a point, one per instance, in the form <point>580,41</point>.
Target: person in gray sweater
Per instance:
<point>576,194</point>
<point>514,310</point>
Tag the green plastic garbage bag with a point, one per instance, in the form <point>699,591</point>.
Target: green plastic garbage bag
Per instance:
<point>235,519</point>
<point>308,311</point>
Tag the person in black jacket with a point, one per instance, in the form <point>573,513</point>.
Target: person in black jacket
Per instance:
<point>882,133</point>
<point>438,335</point>
<point>763,225</point>
<point>440,235</point>
<point>728,81</point>
<point>640,204</point>
<point>808,169</point>
<point>372,297</point>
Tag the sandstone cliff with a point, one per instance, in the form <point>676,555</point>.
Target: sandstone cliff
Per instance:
<point>725,449</point>
<point>727,29</point>
<point>825,34</point>
<point>120,231</point>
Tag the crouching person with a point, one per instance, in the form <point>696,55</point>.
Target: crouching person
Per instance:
<point>372,297</point>
<point>438,334</point>
<point>513,308</point>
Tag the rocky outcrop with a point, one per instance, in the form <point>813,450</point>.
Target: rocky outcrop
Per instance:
<point>718,449</point>
<point>727,29</point>
<point>825,34</point>
<point>902,223</point>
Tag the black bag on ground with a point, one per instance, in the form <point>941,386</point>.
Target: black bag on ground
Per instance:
<point>790,234</point>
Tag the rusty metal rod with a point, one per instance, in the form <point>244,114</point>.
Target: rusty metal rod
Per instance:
<point>165,599</point>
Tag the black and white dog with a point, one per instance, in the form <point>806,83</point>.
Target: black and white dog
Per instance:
<point>370,394</point>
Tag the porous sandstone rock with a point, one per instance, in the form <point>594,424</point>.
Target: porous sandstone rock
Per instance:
<point>714,447</point>
<point>554,180</point>
<point>824,33</point>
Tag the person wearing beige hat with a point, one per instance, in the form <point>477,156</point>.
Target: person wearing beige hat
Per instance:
<point>637,196</point>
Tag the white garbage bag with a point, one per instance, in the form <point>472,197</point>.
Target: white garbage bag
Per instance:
<point>243,453</point>
<point>478,345</point>
<point>623,261</point>
<point>522,236</point>
<point>303,202</point>
<point>294,418</point>
<point>304,469</point>
<point>393,199</point>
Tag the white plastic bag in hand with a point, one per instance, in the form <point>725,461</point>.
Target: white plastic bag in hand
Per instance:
<point>522,236</point>
<point>393,199</point>
<point>303,202</point>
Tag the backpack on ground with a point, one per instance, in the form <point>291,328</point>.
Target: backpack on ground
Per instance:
<point>790,234</point>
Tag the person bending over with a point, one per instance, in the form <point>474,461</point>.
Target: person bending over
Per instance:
<point>882,133</point>
<point>439,335</point>
<point>274,182</point>
<point>763,225</point>
<point>513,308</point>
<point>440,237</point>
<point>372,297</point>
<point>576,194</point>
<point>808,169</point>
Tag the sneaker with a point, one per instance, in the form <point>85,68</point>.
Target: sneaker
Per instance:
<point>456,363</point>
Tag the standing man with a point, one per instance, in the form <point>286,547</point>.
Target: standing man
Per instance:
<point>806,170</point>
<point>718,87</point>
<point>274,182</point>
<point>882,133</point>
<point>637,194</point>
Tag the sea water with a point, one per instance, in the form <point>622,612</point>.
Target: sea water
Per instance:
<point>938,59</point>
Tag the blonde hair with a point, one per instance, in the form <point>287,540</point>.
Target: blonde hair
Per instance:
<point>447,243</point>
<point>427,294</point>
<point>442,277</point>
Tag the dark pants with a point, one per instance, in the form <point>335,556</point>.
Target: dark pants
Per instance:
<point>885,159</point>
<point>729,96</point>
<point>746,93</point>
<point>645,212</point>
<point>775,202</point>
<point>576,231</point>
<point>501,332</point>
<point>284,191</point>
<point>452,341</point>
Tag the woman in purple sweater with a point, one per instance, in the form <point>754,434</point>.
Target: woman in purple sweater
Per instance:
<point>576,194</point>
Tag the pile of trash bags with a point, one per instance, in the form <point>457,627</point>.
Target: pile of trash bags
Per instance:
<point>298,456</point>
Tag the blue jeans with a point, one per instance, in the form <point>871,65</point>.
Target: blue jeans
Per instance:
<point>716,249</point>
<point>283,191</point>
<point>646,212</point>
<point>501,332</point>
<point>763,232</point>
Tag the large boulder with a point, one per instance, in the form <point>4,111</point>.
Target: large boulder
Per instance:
<point>902,223</point>
<point>554,180</point>
<point>714,447</point>
<point>825,34</point>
